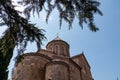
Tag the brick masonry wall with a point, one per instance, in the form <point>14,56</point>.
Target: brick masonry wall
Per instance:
<point>30,68</point>
<point>57,71</point>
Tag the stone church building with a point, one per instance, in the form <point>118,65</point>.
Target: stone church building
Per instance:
<point>53,63</point>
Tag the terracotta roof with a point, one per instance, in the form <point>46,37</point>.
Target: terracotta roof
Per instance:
<point>56,40</point>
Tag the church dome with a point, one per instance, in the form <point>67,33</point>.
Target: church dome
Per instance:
<point>59,47</point>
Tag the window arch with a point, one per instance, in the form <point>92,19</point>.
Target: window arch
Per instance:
<point>63,50</point>
<point>56,49</point>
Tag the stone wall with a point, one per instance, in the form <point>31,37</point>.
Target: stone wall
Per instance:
<point>85,68</point>
<point>30,68</point>
<point>74,71</point>
<point>57,71</point>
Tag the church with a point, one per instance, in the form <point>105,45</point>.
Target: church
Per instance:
<point>53,63</point>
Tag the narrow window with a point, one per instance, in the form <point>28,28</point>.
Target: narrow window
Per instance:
<point>56,49</point>
<point>51,49</point>
<point>62,51</point>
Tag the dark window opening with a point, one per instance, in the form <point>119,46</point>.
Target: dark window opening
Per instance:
<point>62,51</point>
<point>56,49</point>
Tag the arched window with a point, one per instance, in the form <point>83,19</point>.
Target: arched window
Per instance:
<point>56,48</point>
<point>51,49</point>
<point>62,51</point>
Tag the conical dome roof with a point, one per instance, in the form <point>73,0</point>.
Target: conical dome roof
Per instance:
<point>57,38</point>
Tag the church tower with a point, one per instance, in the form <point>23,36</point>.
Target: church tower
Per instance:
<point>59,47</point>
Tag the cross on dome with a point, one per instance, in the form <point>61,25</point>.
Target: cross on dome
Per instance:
<point>57,38</point>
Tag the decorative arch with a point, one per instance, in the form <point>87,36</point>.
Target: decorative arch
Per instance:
<point>57,70</point>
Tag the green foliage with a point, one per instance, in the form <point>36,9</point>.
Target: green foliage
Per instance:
<point>6,52</point>
<point>83,10</point>
<point>19,32</point>
<point>21,29</point>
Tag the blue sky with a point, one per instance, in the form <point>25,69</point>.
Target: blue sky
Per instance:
<point>102,48</point>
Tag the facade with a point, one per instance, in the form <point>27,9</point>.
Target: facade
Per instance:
<point>54,63</point>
